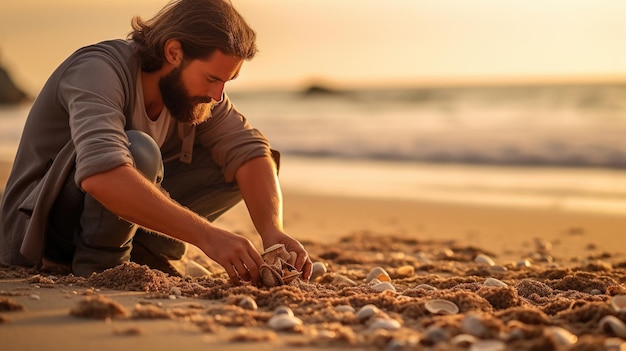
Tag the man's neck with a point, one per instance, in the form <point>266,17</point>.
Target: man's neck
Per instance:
<point>151,94</point>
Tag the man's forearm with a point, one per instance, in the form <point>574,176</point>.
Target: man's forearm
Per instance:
<point>260,189</point>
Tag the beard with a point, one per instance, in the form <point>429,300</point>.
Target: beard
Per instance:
<point>187,109</point>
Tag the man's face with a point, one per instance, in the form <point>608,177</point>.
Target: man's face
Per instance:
<point>190,90</point>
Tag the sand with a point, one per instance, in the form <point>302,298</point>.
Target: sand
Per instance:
<point>521,278</point>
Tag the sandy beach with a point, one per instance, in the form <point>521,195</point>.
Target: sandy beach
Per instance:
<point>510,279</point>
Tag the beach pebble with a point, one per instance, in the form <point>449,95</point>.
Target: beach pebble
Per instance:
<point>484,259</point>
<point>318,269</point>
<point>614,344</point>
<point>34,296</point>
<point>405,271</point>
<point>523,263</point>
<point>436,334</point>
<point>284,322</point>
<point>175,291</point>
<point>378,273</point>
<point>440,306</point>
<point>423,258</point>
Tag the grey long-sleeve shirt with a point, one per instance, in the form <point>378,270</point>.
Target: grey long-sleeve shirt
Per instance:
<point>79,119</point>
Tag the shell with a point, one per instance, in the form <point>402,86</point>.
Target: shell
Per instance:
<point>344,308</point>
<point>275,255</point>
<point>342,281</point>
<point>426,287</point>
<point>318,269</point>
<point>440,306</point>
<point>270,276</point>
<point>378,273</point>
<point>384,286</point>
<point>248,303</point>
<point>283,310</point>
<point>366,312</point>
<point>618,302</point>
<point>614,325</point>
<point>385,323</point>
<point>435,334</point>
<point>464,340</point>
<point>560,336</point>
<point>495,282</point>
<point>474,325</point>
<point>196,270</point>
<point>284,322</point>
<point>484,259</point>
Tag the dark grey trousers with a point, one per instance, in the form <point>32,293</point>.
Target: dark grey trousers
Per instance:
<point>92,238</point>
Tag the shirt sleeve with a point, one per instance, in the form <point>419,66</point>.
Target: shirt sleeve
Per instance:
<point>231,140</point>
<point>93,94</point>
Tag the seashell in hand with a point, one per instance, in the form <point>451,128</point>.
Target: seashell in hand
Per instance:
<point>440,306</point>
<point>276,270</point>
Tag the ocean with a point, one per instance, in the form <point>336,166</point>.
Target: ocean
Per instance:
<point>554,146</point>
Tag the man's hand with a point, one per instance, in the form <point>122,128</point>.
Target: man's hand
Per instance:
<point>299,255</point>
<point>235,253</point>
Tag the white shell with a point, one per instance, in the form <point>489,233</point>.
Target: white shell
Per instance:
<point>495,282</point>
<point>463,340</point>
<point>283,321</point>
<point>380,287</point>
<point>614,325</point>
<point>366,312</point>
<point>440,306</point>
<point>485,260</point>
<point>385,323</point>
<point>560,336</point>
<point>248,303</point>
<point>425,287</point>
<point>378,273</point>
<point>618,302</point>
<point>344,308</point>
<point>318,269</point>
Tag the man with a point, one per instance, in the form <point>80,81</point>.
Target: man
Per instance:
<point>132,138</point>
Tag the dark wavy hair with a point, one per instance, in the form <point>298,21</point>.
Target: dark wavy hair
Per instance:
<point>201,26</point>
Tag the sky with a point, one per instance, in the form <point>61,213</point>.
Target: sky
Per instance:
<point>355,42</point>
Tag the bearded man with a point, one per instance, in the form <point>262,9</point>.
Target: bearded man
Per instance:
<point>132,149</point>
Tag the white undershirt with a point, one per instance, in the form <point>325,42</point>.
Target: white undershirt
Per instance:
<point>140,121</point>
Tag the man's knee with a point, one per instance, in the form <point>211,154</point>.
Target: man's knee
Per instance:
<point>146,154</point>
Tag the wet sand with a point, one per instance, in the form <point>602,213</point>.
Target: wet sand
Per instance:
<point>549,285</point>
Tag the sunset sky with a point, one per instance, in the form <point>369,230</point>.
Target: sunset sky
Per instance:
<point>354,42</point>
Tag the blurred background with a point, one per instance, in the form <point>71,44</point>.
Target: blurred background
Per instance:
<point>499,102</point>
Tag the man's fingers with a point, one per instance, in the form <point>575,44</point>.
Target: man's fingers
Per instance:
<point>232,275</point>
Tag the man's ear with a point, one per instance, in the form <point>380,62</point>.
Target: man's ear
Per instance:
<point>173,52</point>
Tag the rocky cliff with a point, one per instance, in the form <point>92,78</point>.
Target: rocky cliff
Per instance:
<point>9,92</point>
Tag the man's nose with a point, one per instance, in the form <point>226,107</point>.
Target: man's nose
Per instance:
<point>216,92</point>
